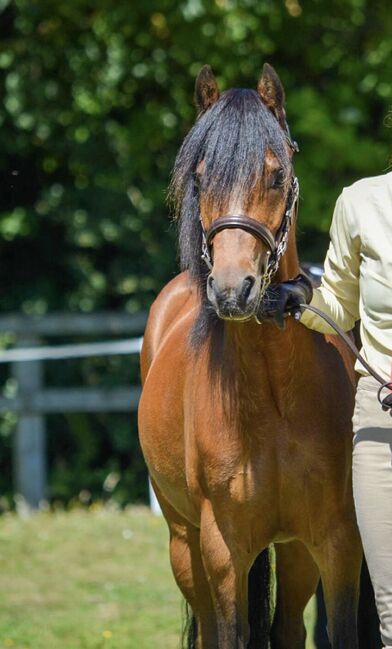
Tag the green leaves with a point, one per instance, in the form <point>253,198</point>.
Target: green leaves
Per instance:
<point>96,102</point>
<point>96,99</point>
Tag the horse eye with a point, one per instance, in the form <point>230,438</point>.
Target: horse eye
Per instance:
<point>278,179</point>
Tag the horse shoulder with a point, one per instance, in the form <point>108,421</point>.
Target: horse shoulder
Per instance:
<point>176,297</point>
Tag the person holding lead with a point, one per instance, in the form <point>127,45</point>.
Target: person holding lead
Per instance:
<point>357,284</point>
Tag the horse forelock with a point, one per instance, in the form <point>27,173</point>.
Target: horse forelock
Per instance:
<point>232,138</point>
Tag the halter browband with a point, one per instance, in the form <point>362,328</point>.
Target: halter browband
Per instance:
<point>276,244</point>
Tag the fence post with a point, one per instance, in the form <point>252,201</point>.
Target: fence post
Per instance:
<point>154,504</point>
<point>29,452</point>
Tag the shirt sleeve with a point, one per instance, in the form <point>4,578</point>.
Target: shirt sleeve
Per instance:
<point>338,295</point>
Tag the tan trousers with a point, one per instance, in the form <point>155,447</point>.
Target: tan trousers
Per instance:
<point>372,483</point>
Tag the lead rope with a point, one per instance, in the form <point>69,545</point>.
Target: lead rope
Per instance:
<point>383,384</point>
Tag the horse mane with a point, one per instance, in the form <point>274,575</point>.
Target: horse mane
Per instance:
<point>232,138</point>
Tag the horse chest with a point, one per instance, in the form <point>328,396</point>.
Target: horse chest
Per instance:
<point>272,481</point>
<point>237,471</point>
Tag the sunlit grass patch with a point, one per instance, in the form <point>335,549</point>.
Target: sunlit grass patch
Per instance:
<point>87,580</point>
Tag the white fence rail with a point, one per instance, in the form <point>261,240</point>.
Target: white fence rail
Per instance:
<point>61,352</point>
<point>33,400</point>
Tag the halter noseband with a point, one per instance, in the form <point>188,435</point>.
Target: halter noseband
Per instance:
<point>276,244</point>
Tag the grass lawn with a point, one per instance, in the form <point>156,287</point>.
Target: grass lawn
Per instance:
<point>93,580</point>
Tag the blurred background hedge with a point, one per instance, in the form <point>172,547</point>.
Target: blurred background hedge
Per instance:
<point>96,98</point>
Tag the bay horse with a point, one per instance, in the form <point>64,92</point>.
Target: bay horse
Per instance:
<point>246,428</point>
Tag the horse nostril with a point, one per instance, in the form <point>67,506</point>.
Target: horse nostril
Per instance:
<point>247,286</point>
<point>210,281</point>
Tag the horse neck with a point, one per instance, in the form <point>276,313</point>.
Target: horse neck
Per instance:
<point>263,364</point>
<point>263,359</point>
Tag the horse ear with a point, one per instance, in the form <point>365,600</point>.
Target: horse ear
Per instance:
<point>206,89</point>
<point>271,92</point>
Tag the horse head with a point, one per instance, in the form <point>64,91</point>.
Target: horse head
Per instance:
<point>233,182</point>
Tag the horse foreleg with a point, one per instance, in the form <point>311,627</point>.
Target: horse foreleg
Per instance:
<point>228,579</point>
<point>189,573</point>
<point>297,576</point>
<point>339,560</point>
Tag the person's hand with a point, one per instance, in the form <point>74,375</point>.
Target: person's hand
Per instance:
<point>285,299</point>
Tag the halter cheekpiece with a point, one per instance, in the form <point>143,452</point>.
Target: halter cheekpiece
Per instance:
<point>276,244</point>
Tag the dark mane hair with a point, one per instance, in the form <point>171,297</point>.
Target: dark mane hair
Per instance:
<point>231,137</point>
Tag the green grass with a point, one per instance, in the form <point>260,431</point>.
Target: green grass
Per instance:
<point>88,580</point>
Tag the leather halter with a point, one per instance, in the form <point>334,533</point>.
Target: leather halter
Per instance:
<point>276,244</point>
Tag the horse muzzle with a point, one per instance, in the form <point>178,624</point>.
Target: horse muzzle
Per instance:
<point>234,300</point>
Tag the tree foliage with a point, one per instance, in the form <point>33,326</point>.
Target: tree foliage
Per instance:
<point>97,96</point>
<point>96,100</point>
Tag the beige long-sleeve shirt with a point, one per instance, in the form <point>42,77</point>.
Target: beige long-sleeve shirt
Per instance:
<point>357,281</point>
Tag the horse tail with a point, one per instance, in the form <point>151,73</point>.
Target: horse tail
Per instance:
<point>259,607</point>
<point>368,622</point>
<point>189,629</point>
<point>259,602</point>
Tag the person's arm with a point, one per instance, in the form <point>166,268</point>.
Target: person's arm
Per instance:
<point>338,295</point>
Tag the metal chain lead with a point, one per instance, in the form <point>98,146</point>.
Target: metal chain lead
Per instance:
<point>205,253</point>
<point>273,264</point>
